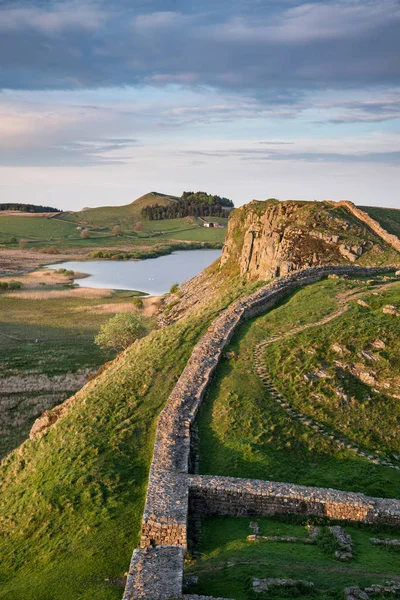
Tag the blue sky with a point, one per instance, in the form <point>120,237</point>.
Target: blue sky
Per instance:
<point>101,101</point>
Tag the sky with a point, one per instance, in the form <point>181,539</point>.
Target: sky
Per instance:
<point>101,102</point>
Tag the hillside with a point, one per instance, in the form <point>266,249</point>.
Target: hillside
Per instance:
<point>389,218</point>
<point>127,215</point>
<point>72,499</point>
<point>56,233</point>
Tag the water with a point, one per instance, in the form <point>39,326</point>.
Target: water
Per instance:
<point>153,275</point>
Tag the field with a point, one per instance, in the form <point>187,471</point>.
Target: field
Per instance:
<point>35,228</point>
<point>226,561</point>
<point>47,349</point>
<point>245,433</point>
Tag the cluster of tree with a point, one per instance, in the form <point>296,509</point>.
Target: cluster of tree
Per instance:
<point>190,204</point>
<point>30,208</point>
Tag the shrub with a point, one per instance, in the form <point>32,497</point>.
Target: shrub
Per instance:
<point>85,234</point>
<point>116,230</point>
<point>3,285</point>
<point>14,285</point>
<point>69,273</point>
<point>48,250</point>
<point>23,244</point>
<point>138,302</point>
<point>174,288</point>
<point>120,331</point>
<point>327,541</point>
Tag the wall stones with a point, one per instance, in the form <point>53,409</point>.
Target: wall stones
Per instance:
<point>263,585</point>
<point>155,573</point>
<point>250,497</point>
<point>389,238</point>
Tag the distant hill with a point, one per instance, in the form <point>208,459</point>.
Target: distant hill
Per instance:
<point>65,229</point>
<point>126,215</point>
<point>28,208</point>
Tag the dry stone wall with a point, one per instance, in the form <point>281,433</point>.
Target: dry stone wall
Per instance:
<point>249,497</point>
<point>389,238</point>
<point>166,510</point>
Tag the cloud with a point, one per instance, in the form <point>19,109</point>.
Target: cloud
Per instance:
<point>51,19</point>
<point>381,151</point>
<point>259,47</point>
<point>65,136</point>
<point>368,111</point>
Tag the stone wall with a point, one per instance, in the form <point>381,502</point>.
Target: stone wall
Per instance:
<point>249,497</point>
<point>389,238</point>
<point>165,515</point>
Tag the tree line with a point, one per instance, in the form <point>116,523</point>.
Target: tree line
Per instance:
<point>190,204</point>
<point>30,208</point>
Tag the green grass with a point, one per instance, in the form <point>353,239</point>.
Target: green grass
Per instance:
<point>245,433</point>
<point>228,561</point>
<point>35,228</point>
<point>368,416</point>
<point>108,216</point>
<point>389,218</point>
<point>72,501</point>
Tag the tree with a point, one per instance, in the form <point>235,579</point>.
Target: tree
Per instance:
<point>139,226</point>
<point>85,234</point>
<point>116,230</point>
<point>120,331</point>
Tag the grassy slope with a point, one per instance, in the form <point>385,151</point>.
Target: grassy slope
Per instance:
<point>35,228</point>
<point>244,433</point>
<point>223,543</point>
<point>71,502</point>
<point>369,416</point>
<point>126,215</point>
<point>389,218</point>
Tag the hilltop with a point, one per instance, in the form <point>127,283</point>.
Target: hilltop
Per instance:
<point>127,215</point>
<point>73,496</point>
<point>269,239</point>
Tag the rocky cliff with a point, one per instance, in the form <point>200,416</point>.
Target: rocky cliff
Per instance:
<point>270,239</point>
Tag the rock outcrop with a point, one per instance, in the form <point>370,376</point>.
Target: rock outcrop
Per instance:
<point>272,239</point>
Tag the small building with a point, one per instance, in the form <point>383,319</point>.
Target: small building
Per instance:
<point>209,224</point>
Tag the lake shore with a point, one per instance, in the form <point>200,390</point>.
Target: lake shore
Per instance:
<point>14,262</point>
<point>153,276</point>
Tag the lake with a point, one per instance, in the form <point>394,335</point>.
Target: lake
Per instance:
<point>153,275</point>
